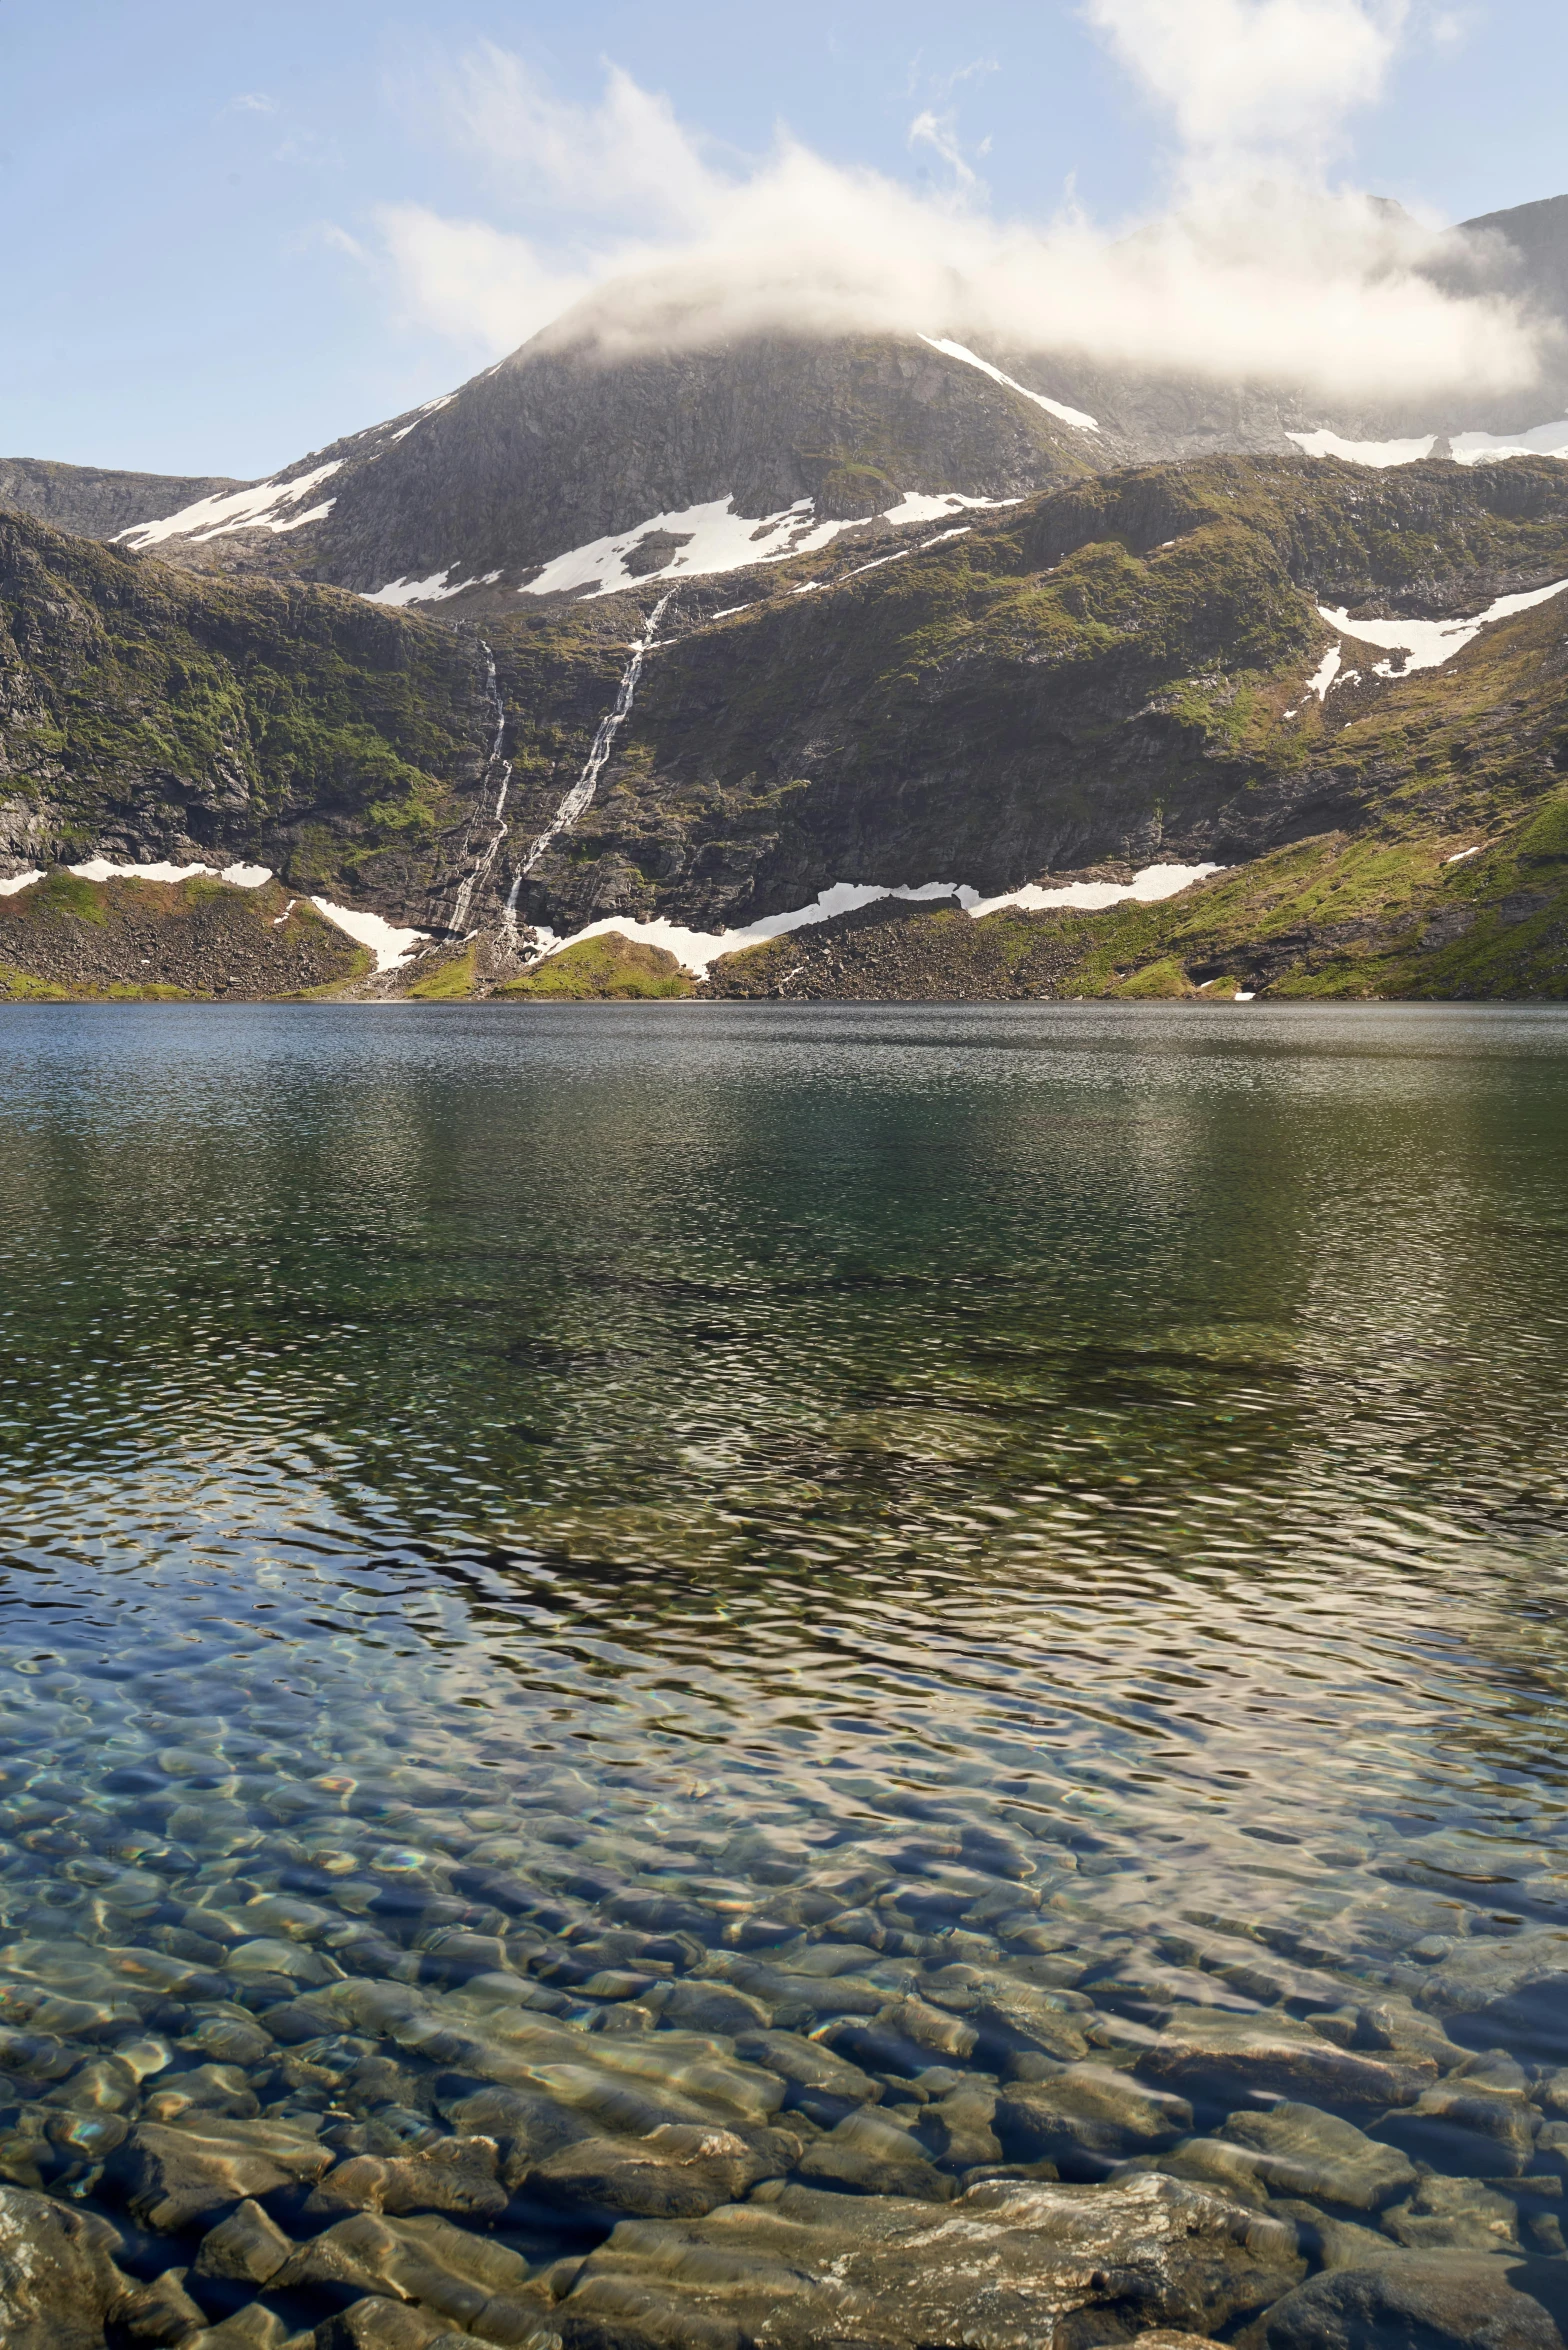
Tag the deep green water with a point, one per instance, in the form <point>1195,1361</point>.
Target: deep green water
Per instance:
<point>1143,1432</point>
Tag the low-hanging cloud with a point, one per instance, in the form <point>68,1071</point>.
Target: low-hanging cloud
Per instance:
<point>1258,270</point>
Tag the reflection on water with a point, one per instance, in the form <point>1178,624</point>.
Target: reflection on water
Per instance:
<point>1037,1488</point>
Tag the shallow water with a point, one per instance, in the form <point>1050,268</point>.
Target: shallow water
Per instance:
<point>1026,1482</point>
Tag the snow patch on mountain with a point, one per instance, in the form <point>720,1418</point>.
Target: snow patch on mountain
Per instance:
<point>105,869</point>
<point>1428,644</point>
<point>390,946</point>
<point>695,950</point>
<point>1489,448</point>
<point>1076,417</point>
<point>430,408</point>
<point>433,590</point>
<point>262,507</point>
<point>1379,453</point>
<point>714,538</point>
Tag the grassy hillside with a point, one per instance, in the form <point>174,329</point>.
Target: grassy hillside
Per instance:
<point>66,938</point>
<point>1117,671</point>
<point>1113,673</point>
<point>158,715</point>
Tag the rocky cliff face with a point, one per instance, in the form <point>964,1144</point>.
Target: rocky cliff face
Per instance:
<point>95,503</point>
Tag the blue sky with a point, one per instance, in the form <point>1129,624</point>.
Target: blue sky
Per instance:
<point>230,229</point>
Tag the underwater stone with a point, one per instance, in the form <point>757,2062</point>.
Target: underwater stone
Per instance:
<point>378,2324</point>
<point>162,2313</point>
<point>1086,2117</point>
<point>1443,2301</point>
<point>178,2172</point>
<point>679,2172</point>
<point>1226,2058</point>
<point>807,2064</point>
<point>457,2175</point>
<point>246,2248</point>
<point>958,2128</point>
<point>1455,2215</point>
<point>1507,1991</point>
<point>1303,2151</point>
<point>1007,2266</point>
<point>1457,2127</point>
<point>58,2279</point>
<point>475,2284</point>
<point>869,2156</point>
<point>710,2007</point>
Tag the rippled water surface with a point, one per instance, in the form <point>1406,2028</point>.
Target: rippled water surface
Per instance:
<point>1041,1478</point>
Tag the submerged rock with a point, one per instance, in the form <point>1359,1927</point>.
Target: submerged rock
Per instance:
<point>1505,1991</point>
<point>1455,2215</point>
<point>1439,2301</point>
<point>58,2280</point>
<point>1463,2126</point>
<point>149,2316</point>
<point>1087,2117</point>
<point>1003,2268</point>
<point>868,2155</point>
<point>246,2248</point>
<point>680,2172</point>
<point>176,2173</point>
<point>458,2175</point>
<point>475,2284</point>
<point>378,2324</point>
<point>1226,2059</point>
<point>1300,2150</point>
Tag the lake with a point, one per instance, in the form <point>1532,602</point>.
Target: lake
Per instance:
<point>591,1525</point>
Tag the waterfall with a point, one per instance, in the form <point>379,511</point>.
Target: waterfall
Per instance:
<point>502,770</point>
<point>587,783</point>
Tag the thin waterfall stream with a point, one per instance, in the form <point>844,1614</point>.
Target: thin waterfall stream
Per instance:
<point>582,791</point>
<point>501,770</point>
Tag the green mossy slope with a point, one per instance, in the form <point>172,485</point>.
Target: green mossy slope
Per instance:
<point>164,715</point>
<point>610,967</point>
<point>123,939</point>
<point>1118,671</point>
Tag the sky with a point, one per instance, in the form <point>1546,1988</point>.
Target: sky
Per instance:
<point>234,233</point>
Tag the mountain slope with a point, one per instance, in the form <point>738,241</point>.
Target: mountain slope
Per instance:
<point>95,503</point>
<point>1158,666</point>
<point>1116,672</point>
<point>151,716</point>
<point>562,470</point>
<point>556,449</point>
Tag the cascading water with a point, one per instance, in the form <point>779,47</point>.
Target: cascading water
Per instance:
<point>582,791</point>
<point>501,770</point>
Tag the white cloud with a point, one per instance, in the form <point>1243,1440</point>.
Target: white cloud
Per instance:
<point>937,132</point>
<point>1259,270</point>
<point>1241,74</point>
<point>474,282</point>
<point>626,158</point>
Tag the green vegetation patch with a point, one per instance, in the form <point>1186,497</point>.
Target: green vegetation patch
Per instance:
<point>610,968</point>
<point>449,982</point>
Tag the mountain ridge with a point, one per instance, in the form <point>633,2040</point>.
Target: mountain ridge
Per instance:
<point>1141,667</point>
<point>527,472</point>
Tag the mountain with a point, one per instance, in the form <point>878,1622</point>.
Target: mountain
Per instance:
<point>703,460</point>
<point>1193,666</point>
<point>98,504</point>
<point>564,471</point>
<point>151,716</point>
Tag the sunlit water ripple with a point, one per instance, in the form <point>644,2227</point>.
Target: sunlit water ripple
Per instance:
<point>1141,1433</point>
